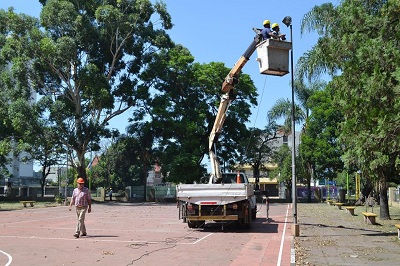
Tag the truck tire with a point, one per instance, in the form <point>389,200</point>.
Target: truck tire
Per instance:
<point>196,224</point>
<point>242,224</point>
<point>192,224</point>
<point>200,224</point>
<point>254,213</point>
<point>248,225</point>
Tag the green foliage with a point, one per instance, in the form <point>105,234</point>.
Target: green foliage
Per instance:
<point>361,42</point>
<point>183,109</point>
<point>258,148</point>
<point>91,61</point>
<point>283,158</point>
<point>86,58</point>
<point>319,141</point>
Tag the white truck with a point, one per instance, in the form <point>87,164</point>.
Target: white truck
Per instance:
<point>225,201</point>
<point>229,197</point>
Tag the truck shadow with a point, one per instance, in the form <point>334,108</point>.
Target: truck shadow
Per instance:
<point>259,225</point>
<point>334,229</point>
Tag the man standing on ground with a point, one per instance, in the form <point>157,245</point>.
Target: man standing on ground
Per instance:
<point>82,200</point>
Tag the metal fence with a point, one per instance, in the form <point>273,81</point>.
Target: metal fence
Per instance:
<point>153,193</point>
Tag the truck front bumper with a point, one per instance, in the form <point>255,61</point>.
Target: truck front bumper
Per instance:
<point>213,218</point>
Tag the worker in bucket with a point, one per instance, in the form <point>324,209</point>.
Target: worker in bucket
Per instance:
<point>83,202</point>
<point>266,31</point>
<point>276,32</point>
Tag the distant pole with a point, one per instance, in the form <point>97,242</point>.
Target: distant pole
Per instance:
<point>59,180</point>
<point>295,230</point>
<point>347,188</point>
<point>66,180</point>
<point>358,184</point>
<point>329,192</point>
<point>90,170</point>
<point>293,136</point>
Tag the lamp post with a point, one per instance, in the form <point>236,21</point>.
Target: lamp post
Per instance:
<point>295,229</point>
<point>66,181</point>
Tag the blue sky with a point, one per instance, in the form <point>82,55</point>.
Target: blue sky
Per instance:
<point>221,31</point>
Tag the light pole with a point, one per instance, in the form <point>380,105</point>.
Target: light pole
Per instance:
<point>66,181</point>
<point>295,229</point>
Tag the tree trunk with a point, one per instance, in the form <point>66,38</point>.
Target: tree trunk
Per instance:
<point>144,179</point>
<point>365,193</point>
<point>309,189</point>
<point>308,178</point>
<point>288,192</point>
<point>384,205</point>
<point>81,169</point>
<point>44,175</point>
<point>82,173</point>
<point>256,171</point>
<point>42,187</point>
<point>256,174</point>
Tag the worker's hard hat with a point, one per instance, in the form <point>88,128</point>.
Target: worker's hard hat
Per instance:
<point>266,22</point>
<point>80,180</point>
<point>275,25</point>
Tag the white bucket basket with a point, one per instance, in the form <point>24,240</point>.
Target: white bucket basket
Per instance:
<point>273,57</point>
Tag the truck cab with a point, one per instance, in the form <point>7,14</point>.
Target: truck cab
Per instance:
<point>233,178</point>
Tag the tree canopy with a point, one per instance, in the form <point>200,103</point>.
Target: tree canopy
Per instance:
<point>358,43</point>
<point>90,62</point>
<point>86,58</point>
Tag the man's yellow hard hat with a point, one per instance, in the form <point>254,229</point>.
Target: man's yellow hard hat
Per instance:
<point>275,25</point>
<point>266,22</point>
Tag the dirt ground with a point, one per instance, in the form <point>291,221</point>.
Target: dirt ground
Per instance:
<point>329,236</point>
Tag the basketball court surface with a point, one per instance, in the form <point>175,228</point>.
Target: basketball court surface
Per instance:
<point>141,234</point>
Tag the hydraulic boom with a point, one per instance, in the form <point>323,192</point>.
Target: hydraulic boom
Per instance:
<point>227,88</point>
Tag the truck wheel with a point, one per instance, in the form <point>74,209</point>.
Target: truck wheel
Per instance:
<point>200,224</point>
<point>241,222</point>
<point>254,213</point>
<point>248,225</point>
<point>192,224</point>
<point>242,225</point>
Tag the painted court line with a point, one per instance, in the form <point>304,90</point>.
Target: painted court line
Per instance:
<point>106,240</point>
<point>201,239</point>
<point>35,220</point>
<point>283,238</point>
<point>9,257</point>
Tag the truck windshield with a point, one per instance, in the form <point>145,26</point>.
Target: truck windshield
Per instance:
<point>228,178</point>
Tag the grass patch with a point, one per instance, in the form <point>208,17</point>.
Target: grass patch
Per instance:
<point>16,205</point>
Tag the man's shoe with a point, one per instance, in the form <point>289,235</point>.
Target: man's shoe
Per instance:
<point>76,235</point>
<point>84,234</point>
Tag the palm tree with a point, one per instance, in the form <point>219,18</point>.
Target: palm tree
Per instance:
<point>316,61</point>
<point>283,109</point>
<point>365,87</point>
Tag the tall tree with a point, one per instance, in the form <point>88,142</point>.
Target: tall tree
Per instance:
<point>283,159</point>
<point>142,140</point>
<point>88,57</point>
<point>183,109</point>
<point>258,148</point>
<point>283,110</point>
<point>14,86</point>
<point>319,147</point>
<point>38,140</point>
<point>359,38</point>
